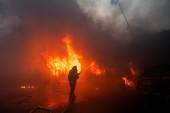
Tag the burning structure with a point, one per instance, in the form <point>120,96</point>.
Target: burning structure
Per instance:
<point>98,30</point>
<point>62,65</point>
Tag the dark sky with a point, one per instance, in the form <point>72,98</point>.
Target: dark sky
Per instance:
<point>97,28</point>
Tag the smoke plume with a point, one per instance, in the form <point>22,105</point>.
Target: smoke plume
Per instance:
<point>143,15</point>
<point>9,21</point>
<point>97,29</point>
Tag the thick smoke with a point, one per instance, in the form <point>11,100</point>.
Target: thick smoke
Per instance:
<point>143,15</point>
<point>9,21</point>
<point>28,26</point>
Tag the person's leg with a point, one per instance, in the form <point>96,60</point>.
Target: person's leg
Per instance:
<point>74,86</point>
<point>71,90</point>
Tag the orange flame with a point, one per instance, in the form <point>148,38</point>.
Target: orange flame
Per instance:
<point>127,82</point>
<point>61,65</point>
<point>95,69</point>
<point>22,86</point>
<point>132,70</point>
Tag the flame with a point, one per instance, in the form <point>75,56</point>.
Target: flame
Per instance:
<point>61,65</point>
<point>95,69</point>
<point>22,86</point>
<point>127,82</point>
<point>132,70</point>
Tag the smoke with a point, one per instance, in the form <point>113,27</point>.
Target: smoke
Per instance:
<point>143,15</point>
<point>27,27</point>
<point>8,20</point>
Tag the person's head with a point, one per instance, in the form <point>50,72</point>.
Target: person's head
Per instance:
<point>74,68</point>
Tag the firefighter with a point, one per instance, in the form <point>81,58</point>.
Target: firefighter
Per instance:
<point>72,77</point>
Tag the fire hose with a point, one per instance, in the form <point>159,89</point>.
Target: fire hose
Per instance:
<point>49,109</point>
<point>29,97</point>
<point>68,103</point>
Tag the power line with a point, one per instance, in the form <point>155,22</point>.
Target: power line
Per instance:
<point>117,2</point>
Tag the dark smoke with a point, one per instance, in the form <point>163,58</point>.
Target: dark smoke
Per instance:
<point>97,28</point>
<point>8,19</point>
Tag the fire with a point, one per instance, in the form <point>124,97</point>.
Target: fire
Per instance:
<point>127,82</point>
<point>22,86</point>
<point>95,69</point>
<point>61,65</point>
<point>132,70</point>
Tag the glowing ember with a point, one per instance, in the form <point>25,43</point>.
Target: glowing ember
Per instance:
<point>132,70</point>
<point>61,65</point>
<point>95,69</point>
<point>127,82</point>
<point>22,86</point>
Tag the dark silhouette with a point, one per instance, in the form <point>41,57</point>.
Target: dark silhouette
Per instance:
<point>72,77</point>
<point>155,81</point>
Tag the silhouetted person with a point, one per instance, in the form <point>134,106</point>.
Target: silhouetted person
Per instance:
<point>72,77</point>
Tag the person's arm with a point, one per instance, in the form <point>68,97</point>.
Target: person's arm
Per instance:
<point>78,75</point>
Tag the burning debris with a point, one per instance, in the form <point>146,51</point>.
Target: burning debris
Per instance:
<point>61,65</point>
<point>24,87</point>
<point>95,69</point>
<point>132,70</point>
<point>129,81</point>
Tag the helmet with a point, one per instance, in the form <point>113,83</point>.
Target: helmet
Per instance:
<point>74,68</point>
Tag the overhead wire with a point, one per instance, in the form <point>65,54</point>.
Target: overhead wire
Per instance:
<point>126,19</point>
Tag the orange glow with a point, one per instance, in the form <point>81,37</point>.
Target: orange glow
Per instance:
<point>127,82</point>
<point>132,70</point>
<point>112,70</point>
<point>95,69</point>
<point>22,86</point>
<point>61,65</point>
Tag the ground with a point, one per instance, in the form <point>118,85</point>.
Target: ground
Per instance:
<point>91,98</point>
